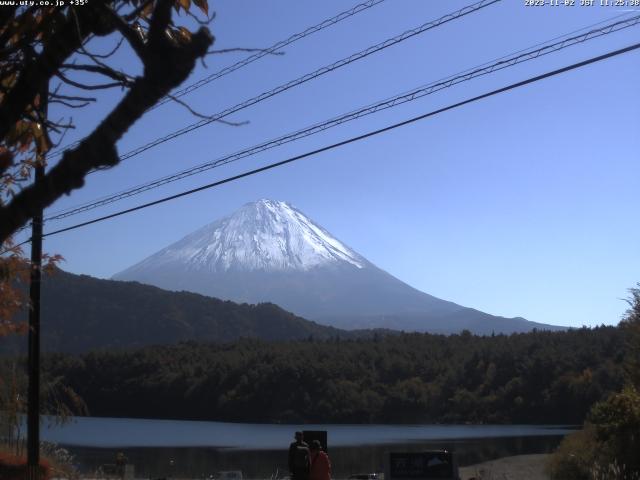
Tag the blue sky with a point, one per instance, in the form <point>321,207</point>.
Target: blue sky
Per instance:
<point>524,204</point>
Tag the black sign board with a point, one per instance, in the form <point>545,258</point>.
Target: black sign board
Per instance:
<point>421,465</point>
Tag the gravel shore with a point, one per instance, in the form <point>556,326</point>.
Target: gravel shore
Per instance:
<point>520,467</point>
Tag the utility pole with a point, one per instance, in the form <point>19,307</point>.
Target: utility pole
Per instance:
<point>33,412</point>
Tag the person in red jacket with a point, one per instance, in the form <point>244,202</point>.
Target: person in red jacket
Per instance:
<point>320,463</point>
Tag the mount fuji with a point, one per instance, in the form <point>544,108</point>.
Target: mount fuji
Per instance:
<point>269,251</point>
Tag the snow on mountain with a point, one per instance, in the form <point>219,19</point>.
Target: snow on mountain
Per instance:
<point>268,251</point>
<point>265,235</point>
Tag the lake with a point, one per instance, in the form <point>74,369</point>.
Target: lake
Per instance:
<point>160,448</point>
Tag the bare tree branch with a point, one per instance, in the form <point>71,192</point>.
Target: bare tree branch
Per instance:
<point>102,70</point>
<point>109,54</point>
<point>51,123</point>
<point>205,117</point>
<point>70,105</point>
<point>127,31</point>
<point>230,50</point>
<point>166,65</point>
<point>136,13</point>
<point>64,134</point>
<point>204,23</point>
<point>102,86</point>
<point>159,23</point>
<point>95,59</point>
<point>77,99</point>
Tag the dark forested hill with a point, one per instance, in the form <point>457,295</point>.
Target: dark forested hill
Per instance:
<point>538,377</point>
<point>80,313</point>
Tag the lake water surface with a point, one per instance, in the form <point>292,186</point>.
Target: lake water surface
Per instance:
<point>160,448</point>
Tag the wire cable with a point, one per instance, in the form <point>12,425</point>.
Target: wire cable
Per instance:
<point>361,7</point>
<point>313,75</point>
<point>354,139</point>
<point>485,69</point>
<point>272,49</point>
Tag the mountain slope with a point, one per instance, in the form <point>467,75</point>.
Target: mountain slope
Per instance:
<point>261,236</point>
<point>81,313</point>
<point>268,251</point>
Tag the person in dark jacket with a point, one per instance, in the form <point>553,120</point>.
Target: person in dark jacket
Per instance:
<point>320,463</point>
<point>299,458</point>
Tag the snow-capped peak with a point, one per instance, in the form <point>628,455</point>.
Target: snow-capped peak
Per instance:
<point>264,235</point>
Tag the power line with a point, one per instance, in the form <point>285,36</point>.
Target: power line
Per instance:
<point>315,74</point>
<point>272,49</point>
<point>361,7</point>
<point>312,75</point>
<point>389,103</point>
<point>487,68</point>
<point>354,139</point>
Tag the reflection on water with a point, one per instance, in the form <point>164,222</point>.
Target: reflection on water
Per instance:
<point>134,432</point>
<point>200,462</point>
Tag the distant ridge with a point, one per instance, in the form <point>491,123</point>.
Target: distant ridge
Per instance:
<point>82,313</point>
<point>269,251</point>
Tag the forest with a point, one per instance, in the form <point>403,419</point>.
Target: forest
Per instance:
<point>83,313</point>
<point>537,377</point>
